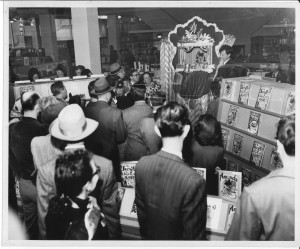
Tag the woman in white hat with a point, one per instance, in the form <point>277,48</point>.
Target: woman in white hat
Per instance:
<point>69,132</point>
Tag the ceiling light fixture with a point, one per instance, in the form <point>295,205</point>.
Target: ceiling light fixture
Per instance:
<point>102,17</point>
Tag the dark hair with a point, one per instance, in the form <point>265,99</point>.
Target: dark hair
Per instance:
<point>62,68</point>
<point>138,92</point>
<point>157,100</point>
<point>57,87</point>
<point>32,71</point>
<point>227,48</point>
<point>286,134</point>
<point>91,87</point>
<point>72,172</point>
<point>145,74</point>
<point>208,131</point>
<point>215,87</point>
<point>171,119</point>
<point>30,103</point>
<point>86,72</point>
<point>80,67</point>
<point>132,72</point>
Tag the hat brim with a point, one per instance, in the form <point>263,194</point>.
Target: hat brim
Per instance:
<point>56,132</point>
<point>108,90</point>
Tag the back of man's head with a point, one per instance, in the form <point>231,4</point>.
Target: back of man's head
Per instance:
<point>157,100</point>
<point>171,119</point>
<point>29,100</point>
<point>57,88</point>
<point>91,87</point>
<point>137,92</point>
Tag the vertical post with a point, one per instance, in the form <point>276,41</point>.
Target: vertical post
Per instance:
<point>113,31</point>
<point>86,37</point>
<point>48,34</point>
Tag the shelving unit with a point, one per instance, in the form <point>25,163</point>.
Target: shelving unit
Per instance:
<point>276,108</point>
<point>104,51</point>
<point>140,49</point>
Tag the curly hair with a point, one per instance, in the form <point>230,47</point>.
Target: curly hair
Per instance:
<point>171,119</point>
<point>286,134</point>
<point>72,172</point>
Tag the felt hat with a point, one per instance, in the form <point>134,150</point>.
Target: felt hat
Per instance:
<point>101,87</point>
<point>115,68</point>
<point>72,125</point>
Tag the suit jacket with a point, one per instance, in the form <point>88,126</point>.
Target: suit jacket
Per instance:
<point>110,132</point>
<point>134,146</point>
<point>150,139</point>
<point>280,77</point>
<point>266,209</point>
<point>170,199</point>
<point>20,136</point>
<point>105,193</point>
<point>227,70</point>
<point>42,150</point>
<point>208,157</point>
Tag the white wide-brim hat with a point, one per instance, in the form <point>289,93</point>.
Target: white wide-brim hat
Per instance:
<point>72,125</point>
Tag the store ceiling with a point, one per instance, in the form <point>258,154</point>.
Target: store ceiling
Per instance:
<point>168,18</point>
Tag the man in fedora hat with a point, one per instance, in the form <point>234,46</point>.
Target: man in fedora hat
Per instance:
<point>111,130</point>
<point>69,130</point>
<point>21,134</point>
<point>116,73</point>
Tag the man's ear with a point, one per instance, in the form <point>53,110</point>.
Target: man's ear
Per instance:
<point>186,130</point>
<point>157,130</point>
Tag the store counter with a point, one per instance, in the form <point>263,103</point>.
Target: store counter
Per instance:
<point>73,86</point>
<point>219,216</point>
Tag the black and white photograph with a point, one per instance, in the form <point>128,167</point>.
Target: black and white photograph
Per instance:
<point>150,123</point>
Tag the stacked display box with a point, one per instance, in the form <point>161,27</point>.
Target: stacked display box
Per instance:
<point>249,110</point>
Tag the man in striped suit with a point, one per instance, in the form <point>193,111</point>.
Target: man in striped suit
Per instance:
<point>170,195</point>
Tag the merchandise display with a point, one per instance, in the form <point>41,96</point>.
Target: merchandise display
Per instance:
<point>249,109</point>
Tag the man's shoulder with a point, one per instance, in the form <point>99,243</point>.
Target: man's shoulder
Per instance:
<point>41,141</point>
<point>148,121</point>
<point>48,168</point>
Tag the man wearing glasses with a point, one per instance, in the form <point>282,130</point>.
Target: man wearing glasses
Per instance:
<point>134,77</point>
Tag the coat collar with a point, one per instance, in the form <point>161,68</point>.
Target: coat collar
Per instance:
<point>287,172</point>
<point>170,156</point>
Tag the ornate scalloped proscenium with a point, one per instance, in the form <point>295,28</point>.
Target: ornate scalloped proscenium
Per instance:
<point>229,40</point>
<point>197,44</point>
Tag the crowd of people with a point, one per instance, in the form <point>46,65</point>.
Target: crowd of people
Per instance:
<point>67,156</point>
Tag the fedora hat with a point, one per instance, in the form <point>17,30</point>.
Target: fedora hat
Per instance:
<point>101,87</point>
<point>115,68</point>
<point>72,125</point>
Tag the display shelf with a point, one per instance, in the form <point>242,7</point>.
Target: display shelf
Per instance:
<point>253,108</point>
<point>249,110</point>
<point>247,162</point>
<point>249,134</point>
